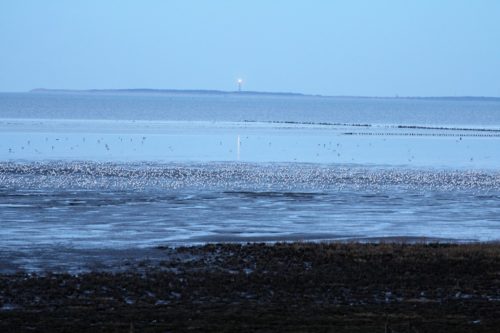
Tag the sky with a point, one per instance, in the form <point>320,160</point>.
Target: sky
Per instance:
<point>351,47</point>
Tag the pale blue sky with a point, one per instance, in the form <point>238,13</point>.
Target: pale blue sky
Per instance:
<point>351,47</point>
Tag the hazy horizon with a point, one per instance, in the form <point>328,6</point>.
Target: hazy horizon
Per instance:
<point>357,48</point>
<point>217,91</point>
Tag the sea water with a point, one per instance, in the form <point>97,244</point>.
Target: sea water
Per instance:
<point>480,112</point>
<point>120,171</point>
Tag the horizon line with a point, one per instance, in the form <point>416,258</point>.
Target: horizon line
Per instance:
<point>248,92</point>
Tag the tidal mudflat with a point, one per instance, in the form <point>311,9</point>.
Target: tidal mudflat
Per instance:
<point>297,287</point>
<point>52,212</point>
<point>154,212</point>
<point>103,246</point>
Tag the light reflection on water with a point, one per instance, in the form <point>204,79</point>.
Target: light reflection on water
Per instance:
<point>115,205</point>
<point>64,213</point>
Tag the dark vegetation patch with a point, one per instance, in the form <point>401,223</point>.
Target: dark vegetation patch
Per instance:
<point>286,287</point>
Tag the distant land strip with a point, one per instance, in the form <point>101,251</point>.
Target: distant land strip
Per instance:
<point>173,91</point>
<point>261,93</point>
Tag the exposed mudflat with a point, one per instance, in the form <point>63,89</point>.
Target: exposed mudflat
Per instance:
<point>297,287</point>
<point>52,213</point>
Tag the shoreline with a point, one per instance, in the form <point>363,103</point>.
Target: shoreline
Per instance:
<point>69,260</point>
<point>345,287</point>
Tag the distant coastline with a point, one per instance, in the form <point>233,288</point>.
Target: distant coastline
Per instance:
<point>173,91</point>
<point>254,93</point>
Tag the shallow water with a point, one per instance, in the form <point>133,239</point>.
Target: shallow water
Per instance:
<point>114,205</point>
<point>85,176</point>
<point>256,142</point>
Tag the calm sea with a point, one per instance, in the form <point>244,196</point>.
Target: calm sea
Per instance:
<point>234,107</point>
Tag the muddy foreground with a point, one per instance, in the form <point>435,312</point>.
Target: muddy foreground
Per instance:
<point>292,287</point>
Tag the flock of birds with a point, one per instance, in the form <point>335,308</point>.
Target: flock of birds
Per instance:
<point>54,144</point>
<point>235,175</point>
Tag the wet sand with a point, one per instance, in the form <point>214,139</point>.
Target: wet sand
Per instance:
<point>294,287</point>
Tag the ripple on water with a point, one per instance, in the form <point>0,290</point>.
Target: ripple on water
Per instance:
<point>142,204</point>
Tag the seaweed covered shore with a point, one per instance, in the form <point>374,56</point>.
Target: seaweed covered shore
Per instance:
<point>294,287</point>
